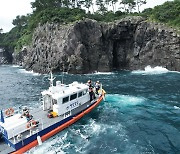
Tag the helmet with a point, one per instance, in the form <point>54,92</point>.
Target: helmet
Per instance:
<point>25,108</point>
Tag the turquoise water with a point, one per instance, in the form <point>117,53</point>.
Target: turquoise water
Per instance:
<point>141,112</point>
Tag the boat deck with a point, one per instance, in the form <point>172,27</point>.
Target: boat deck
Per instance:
<point>44,122</point>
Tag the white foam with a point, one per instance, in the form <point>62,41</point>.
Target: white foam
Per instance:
<point>156,69</point>
<point>174,71</point>
<point>29,72</point>
<point>65,136</point>
<point>48,146</point>
<point>176,107</point>
<point>124,100</point>
<point>96,128</point>
<point>151,70</point>
<point>101,73</point>
<point>16,66</point>
<point>59,144</point>
<point>107,73</point>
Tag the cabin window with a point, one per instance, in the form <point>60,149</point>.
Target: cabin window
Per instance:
<point>80,94</point>
<point>74,96</point>
<point>54,101</point>
<point>65,99</point>
<point>84,92</point>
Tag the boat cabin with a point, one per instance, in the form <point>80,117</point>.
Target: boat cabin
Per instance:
<point>62,98</point>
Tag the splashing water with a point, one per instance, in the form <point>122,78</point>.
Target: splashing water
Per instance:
<point>103,73</point>
<point>151,70</point>
<point>15,66</point>
<point>28,72</point>
<point>124,100</point>
<point>176,107</point>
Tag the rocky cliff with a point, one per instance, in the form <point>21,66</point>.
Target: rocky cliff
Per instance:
<point>87,46</point>
<point>5,56</point>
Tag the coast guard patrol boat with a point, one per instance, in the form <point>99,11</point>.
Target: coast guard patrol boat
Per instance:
<point>62,105</point>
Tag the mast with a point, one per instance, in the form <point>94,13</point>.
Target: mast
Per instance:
<point>51,79</point>
<point>63,75</point>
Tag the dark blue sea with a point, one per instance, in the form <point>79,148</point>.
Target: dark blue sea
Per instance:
<point>140,114</point>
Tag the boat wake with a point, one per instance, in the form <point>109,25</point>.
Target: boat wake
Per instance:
<point>93,134</point>
<point>55,145</point>
<point>124,100</point>
<point>151,70</point>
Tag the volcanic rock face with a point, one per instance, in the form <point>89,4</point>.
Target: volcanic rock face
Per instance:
<point>20,58</point>
<point>87,46</point>
<point>5,56</point>
<point>155,45</point>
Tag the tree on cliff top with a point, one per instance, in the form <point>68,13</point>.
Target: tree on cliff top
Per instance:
<point>20,21</point>
<point>102,5</point>
<point>139,3</point>
<point>65,11</point>
<point>168,13</point>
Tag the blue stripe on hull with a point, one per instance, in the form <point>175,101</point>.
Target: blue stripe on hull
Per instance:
<point>41,133</point>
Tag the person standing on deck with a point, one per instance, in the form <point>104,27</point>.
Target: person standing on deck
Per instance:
<point>97,87</point>
<point>89,83</point>
<point>91,93</point>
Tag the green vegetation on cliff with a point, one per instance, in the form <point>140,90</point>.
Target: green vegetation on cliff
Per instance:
<point>67,11</point>
<point>168,13</point>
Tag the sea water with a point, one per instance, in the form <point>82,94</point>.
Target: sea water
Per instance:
<point>140,114</point>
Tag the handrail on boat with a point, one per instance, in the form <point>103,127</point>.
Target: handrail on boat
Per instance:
<point>15,137</point>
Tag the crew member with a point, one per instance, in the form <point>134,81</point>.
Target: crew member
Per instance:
<point>89,83</point>
<point>91,93</point>
<point>26,114</point>
<point>97,87</point>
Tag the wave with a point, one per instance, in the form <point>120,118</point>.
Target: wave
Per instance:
<point>53,146</point>
<point>101,73</point>
<point>151,70</point>
<point>70,140</point>
<point>108,73</point>
<point>174,72</point>
<point>16,66</point>
<point>29,72</point>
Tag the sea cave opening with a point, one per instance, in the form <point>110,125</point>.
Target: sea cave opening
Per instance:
<point>115,55</point>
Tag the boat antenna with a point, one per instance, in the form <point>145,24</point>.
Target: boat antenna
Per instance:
<point>51,79</point>
<point>63,75</point>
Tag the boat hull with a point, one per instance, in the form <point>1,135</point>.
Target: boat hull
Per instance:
<point>31,142</point>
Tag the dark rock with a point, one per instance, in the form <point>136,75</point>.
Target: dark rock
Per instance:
<point>87,46</point>
<point>20,57</point>
<point>5,56</point>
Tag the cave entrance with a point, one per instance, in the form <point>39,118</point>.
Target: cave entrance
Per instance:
<point>119,54</point>
<point>115,55</point>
